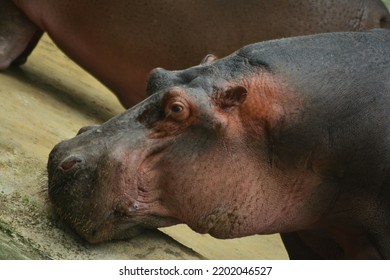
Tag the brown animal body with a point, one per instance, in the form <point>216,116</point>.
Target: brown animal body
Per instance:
<point>288,136</point>
<point>120,42</point>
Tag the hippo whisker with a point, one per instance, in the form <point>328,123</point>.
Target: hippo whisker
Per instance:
<point>43,185</point>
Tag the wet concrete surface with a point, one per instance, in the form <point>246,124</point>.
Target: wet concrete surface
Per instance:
<point>41,103</point>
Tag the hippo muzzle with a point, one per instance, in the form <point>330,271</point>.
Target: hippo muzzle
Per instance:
<point>94,185</point>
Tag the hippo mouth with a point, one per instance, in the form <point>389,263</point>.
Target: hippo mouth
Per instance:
<point>81,197</point>
<point>94,222</point>
<point>98,196</point>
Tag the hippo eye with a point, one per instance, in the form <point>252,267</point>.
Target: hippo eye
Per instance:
<point>177,110</point>
<point>176,107</point>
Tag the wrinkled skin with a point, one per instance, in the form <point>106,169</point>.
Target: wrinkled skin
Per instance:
<point>120,42</point>
<point>288,136</point>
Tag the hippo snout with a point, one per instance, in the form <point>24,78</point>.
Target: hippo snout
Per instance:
<point>81,176</point>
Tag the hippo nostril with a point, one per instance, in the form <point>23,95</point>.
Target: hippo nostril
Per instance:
<point>70,162</point>
<point>68,165</point>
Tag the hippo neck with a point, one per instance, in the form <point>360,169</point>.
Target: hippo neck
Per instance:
<point>284,187</point>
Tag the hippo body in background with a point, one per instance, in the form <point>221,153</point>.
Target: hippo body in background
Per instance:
<point>288,136</point>
<point>120,42</point>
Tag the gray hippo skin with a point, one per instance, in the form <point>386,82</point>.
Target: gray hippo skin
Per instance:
<point>288,136</point>
<point>121,41</point>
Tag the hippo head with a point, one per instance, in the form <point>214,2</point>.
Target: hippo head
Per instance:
<point>198,151</point>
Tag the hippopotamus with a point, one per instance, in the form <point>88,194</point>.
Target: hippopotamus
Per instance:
<point>287,136</point>
<point>120,42</point>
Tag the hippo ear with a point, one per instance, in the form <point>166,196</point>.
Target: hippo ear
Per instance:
<point>208,59</point>
<point>231,96</point>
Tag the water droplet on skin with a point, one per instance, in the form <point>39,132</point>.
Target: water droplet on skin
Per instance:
<point>134,207</point>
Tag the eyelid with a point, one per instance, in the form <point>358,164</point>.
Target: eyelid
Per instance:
<point>172,96</point>
<point>177,104</point>
<point>175,97</point>
<point>177,116</point>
